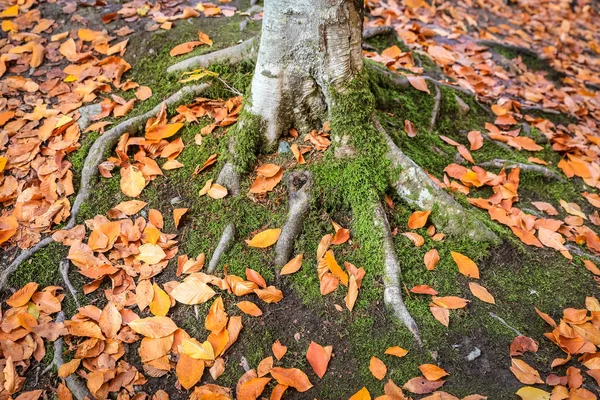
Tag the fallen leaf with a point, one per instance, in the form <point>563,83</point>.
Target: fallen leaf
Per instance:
<point>318,358</point>
<point>279,350</point>
<point>432,372</point>
<point>465,265</point>
<point>264,239</point>
<point>481,293</point>
<point>431,258</point>
<point>421,385</point>
<point>249,308</point>
<point>418,219</point>
<point>377,368</point>
<point>153,327</point>
<point>419,83</point>
<point>292,266</point>
<point>292,377</point>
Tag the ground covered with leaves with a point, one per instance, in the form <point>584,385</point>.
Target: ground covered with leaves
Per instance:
<point>124,301</point>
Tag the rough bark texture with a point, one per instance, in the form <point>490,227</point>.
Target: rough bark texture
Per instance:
<point>307,47</point>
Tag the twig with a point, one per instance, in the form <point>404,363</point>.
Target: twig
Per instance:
<point>503,322</point>
<point>231,89</point>
<point>233,54</point>
<point>64,271</point>
<point>497,142</point>
<point>224,243</point>
<point>369,33</point>
<point>545,172</point>
<point>436,107</point>
<point>90,169</point>
<point>299,184</point>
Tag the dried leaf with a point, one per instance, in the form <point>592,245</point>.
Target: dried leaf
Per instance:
<point>465,265</point>
<point>481,293</point>
<point>318,358</point>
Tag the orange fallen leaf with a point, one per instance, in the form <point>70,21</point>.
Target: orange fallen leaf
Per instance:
<point>419,83</point>
<point>431,258</point>
<point>424,289</point>
<point>264,239</point>
<point>279,350</point>
<point>362,394</point>
<point>418,219</point>
<point>377,368</point>
<point>292,377</point>
<point>465,265</point>
<point>153,327</point>
<point>396,351</point>
<point>524,372</point>
<point>450,302</point>
<point>252,388</point>
<point>432,372</point>
<point>292,266</point>
<point>481,293</point>
<point>189,370</point>
<point>177,214</point>
<point>255,277</point>
<point>421,385</point>
<point>249,308</point>
<point>318,358</point>
<point>335,269</point>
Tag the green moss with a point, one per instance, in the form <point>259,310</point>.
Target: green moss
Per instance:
<point>247,140</point>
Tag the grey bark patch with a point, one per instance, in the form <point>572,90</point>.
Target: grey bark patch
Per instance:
<point>222,247</point>
<point>86,114</point>
<point>229,178</point>
<point>299,185</point>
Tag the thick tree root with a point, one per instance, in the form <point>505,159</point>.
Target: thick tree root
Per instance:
<point>75,385</point>
<point>541,109</point>
<point>416,188</point>
<point>90,168</point>
<point>64,271</point>
<point>234,54</point>
<point>436,107</point>
<point>512,47</point>
<point>545,172</point>
<point>377,31</point>
<point>392,294</point>
<point>577,250</point>
<point>299,184</point>
<point>226,240</point>
<point>229,178</point>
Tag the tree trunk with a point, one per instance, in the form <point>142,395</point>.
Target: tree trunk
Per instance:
<point>307,48</point>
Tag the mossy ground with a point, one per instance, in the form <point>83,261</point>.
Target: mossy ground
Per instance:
<point>520,277</point>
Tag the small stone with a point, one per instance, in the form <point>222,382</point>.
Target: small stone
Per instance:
<point>284,147</point>
<point>474,354</point>
<point>463,107</point>
<point>86,113</point>
<point>176,200</point>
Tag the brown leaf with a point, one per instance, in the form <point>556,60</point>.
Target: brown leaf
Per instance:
<point>524,373</point>
<point>419,83</point>
<point>153,327</point>
<point>249,308</point>
<point>522,344</point>
<point>189,370</point>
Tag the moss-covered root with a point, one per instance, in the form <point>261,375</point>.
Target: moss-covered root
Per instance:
<point>392,294</point>
<point>230,178</point>
<point>416,188</point>
<point>94,157</point>
<point>246,50</point>
<point>64,272</point>
<point>299,184</point>
<point>75,385</point>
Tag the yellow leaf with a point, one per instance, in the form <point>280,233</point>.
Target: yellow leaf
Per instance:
<point>11,11</point>
<point>264,239</point>
<point>3,161</point>
<point>362,394</point>
<point>161,302</point>
<point>153,327</point>
<point>132,181</point>
<point>531,393</point>
<point>192,291</point>
<point>481,293</point>
<point>217,191</point>
<point>150,253</point>
<point>197,350</point>
<point>334,267</point>
<point>189,370</point>
<point>216,319</point>
<point>466,266</point>
<point>158,132</point>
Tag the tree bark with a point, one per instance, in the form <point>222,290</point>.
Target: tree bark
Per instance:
<point>307,48</point>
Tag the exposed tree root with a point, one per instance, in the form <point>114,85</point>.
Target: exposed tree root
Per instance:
<point>90,168</point>
<point>516,49</point>
<point>392,294</point>
<point>226,240</point>
<point>545,172</point>
<point>577,250</point>
<point>229,178</point>
<point>233,54</point>
<point>503,145</point>
<point>75,385</point>
<point>542,109</point>
<point>503,322</point>
<point>436,107</point>
<point>64,271</point>
<point>416,188</point>
<point>299,185</point>
<point>377,31</point>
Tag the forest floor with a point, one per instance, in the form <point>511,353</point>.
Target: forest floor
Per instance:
<point>510,74</point>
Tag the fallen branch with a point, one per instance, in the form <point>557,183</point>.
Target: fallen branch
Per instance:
<point>233,54</point>
<point>436,107</point>
<point>372,32</point>
<point>392,294</point>
<point>77,388</point>
<point>545,172</point>
<point>224,243</point>
<point>299,186</point>
<point>90,168</point>
<point>416,188</point>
